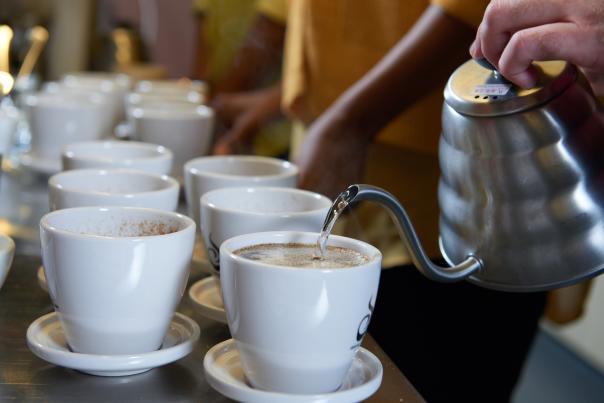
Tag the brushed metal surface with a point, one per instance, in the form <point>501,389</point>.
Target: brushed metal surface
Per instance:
<point>524,192</point>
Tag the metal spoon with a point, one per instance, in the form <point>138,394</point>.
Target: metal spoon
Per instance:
<point>38,37</point>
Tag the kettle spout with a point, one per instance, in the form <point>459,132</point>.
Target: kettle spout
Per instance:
<point>407,233</point>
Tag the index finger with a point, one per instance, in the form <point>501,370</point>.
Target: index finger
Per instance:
<point>503,18</point>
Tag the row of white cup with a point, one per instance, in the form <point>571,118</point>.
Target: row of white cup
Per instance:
<point>91,245</point>
<point>85,107</point>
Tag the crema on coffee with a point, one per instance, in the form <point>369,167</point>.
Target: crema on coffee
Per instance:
<point>302,256</point>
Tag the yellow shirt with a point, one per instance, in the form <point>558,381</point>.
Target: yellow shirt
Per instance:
<point>320,65</point>
<point>225,25</point>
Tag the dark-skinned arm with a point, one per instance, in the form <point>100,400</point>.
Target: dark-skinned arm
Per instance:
<point>259,56</point>
<point>335,147</point>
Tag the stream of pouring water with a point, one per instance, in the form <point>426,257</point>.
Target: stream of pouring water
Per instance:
<point>332,215</point>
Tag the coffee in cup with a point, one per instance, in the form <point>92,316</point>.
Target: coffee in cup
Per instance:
<point>116,274</point>
<point>297,329</point>
<point>302,256</point>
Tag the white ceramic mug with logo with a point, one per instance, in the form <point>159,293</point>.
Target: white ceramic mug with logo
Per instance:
<point>146,157</point>
<point>112,187</point>
<point>215,172</point>
<point>116,274</point>
<point>297,329</point>
<point>7,252</point>
<point>229,212</point>
<point>186,129</point>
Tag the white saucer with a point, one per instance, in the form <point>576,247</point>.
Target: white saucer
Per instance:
<point>224,373</point>
<point>45,338</point>
<point>42,279</point>
<point>205,295</point>
<point>45,166</point>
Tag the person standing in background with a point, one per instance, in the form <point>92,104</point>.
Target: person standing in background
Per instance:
<point>239,53</point>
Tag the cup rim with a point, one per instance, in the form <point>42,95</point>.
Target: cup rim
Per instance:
<point>146,86</point>
<point>70,150</point>
<point>169,182</point>
<point>290,169</point>
<point>137,99</point>
<point>189,224</point>
<point>195,111</point>
<point>226,247</point>
<point>205,200</point>
<point>120,79</point>
<point>89,100</point>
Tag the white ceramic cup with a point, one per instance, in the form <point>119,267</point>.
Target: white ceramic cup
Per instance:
<point>113,84</point>
<point>154,100</point>
<point>229,212</point>
<point>7,252</point>
<point>57,119</point>
<point>297,329</point>
<point>146,157</point>
<point>112,187</point>
<point>215,172</point>
<point>107,101</point>
<point>185,129</point>
<point>116,274</point>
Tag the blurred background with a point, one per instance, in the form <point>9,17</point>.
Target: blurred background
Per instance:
<point>106,35</point>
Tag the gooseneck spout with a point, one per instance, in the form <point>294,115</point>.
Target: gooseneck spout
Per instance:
<point>444,274</point>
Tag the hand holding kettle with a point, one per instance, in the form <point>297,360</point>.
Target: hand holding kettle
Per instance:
<point>515,33</point>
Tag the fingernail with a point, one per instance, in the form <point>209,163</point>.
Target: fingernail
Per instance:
<point>473,48</point>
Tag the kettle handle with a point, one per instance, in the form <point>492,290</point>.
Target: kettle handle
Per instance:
<point>407,233</point>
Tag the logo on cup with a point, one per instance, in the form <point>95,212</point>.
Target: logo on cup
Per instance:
<point>364,325</point>
<point>214,254</point>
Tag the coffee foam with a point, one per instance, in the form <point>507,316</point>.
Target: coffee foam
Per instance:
<point>130,228</point>
<point>302,256</point>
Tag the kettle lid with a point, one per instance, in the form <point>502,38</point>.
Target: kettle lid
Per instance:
<point>477,89</point>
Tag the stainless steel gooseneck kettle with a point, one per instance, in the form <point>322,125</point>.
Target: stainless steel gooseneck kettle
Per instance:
<point>521,191</point>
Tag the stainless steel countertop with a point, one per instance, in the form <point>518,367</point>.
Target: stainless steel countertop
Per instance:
<point>25,378</point>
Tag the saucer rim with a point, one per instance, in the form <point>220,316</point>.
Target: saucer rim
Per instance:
<point>234,389</point>
<point>208,311</point>
<point>41,165</point>
<point>104,364</point>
